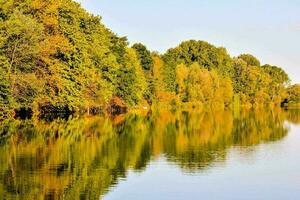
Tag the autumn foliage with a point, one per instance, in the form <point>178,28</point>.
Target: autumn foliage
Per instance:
<point>54,54</point>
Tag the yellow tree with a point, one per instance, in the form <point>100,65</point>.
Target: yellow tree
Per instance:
<point>195,84</point>
<point>182,73</point>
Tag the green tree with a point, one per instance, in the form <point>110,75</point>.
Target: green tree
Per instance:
<point>147,64</point>
<point>250,82</point>
<point>145,56</point>
<point>52,48</point>
<point>250,60</point>
<point>203,53</point>
<point>279,81</point>
<point>5,94</point>
<point>132,83</point>
<point>293,93</point>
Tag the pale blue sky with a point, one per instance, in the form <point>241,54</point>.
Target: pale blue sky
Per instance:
<point>268,29</point>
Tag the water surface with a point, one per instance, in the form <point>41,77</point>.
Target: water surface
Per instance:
<point>157,155</point>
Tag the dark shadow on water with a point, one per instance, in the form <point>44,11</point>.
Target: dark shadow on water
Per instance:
<point>23,113</point>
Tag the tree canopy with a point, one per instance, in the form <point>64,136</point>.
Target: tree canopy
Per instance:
<point>55,54</point>
<point>250,60</point>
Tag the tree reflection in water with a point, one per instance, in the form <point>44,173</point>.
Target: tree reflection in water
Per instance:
<point>82,158</point>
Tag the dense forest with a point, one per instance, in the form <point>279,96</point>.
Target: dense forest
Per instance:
<point>55,56</point>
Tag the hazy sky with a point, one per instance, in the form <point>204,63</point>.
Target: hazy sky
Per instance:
<point>268,29</point>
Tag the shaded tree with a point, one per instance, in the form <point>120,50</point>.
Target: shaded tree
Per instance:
<point>250,59</point>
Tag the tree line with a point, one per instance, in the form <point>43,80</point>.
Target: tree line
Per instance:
<point>54,55</point>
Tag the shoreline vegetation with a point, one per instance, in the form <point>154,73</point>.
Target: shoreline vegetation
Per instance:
<point>55,57</point>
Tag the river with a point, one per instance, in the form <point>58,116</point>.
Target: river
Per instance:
<point>153,155</point>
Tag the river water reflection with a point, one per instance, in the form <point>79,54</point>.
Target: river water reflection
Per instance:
<point>157,155</point>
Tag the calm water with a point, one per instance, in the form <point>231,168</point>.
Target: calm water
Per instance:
<point>158,155</point>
